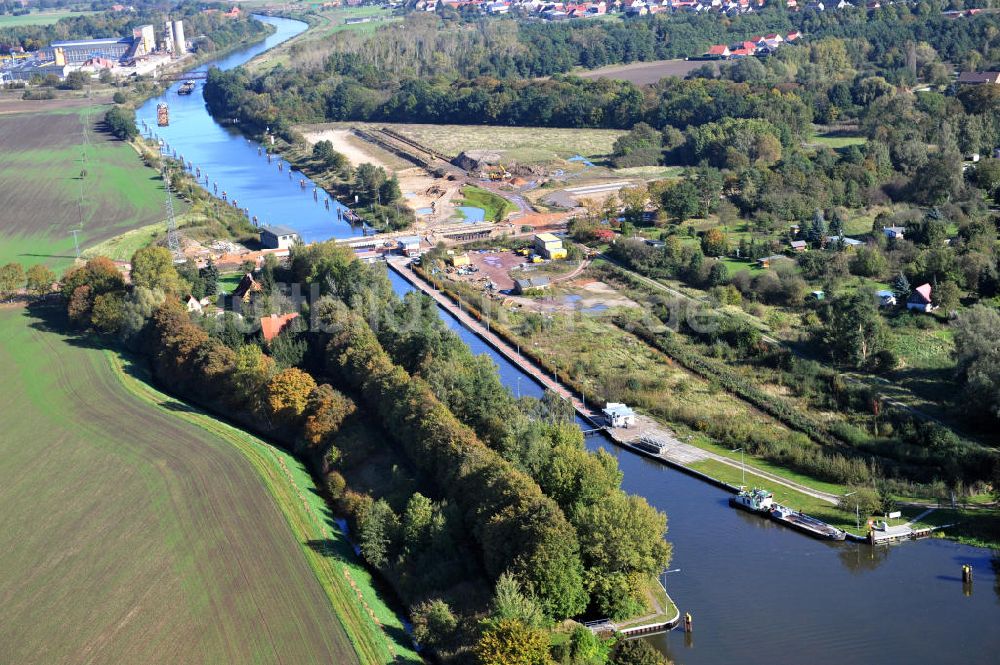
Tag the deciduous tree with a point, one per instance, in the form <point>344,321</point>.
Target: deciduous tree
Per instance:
<point>11,279</point>
<point>511,642</point>
<point>40,279</point>
<point>288,394</point>
<point>153,267</point>
<point>324,413</point>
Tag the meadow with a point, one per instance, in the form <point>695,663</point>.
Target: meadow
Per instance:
<point>60,173</point>
<point>521,144</point>
<point>142,530</point>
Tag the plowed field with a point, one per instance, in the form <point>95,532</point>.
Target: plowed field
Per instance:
<point>131,535</point>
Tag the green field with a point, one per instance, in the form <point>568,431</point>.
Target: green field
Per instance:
<point>60,173</point>
<point>139,529</point>
<point>36,18</point>
<point>832,138</point>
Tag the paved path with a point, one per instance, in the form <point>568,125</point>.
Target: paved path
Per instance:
<point>920,517</point>
<point>685,454</point>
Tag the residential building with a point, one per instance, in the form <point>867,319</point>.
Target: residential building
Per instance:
<point>246,288</point>
<point>848,243</point>
<point>894,232</point>
<point>278,237</point>
<point>719,51</point>
<point>271,326</point>
<point>978,78</point>
<point>920,299</point>
<point>799,245</point>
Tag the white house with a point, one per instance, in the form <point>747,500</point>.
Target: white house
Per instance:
<point>619,415</point>
<point>278,237</point>
<point>410,245</point>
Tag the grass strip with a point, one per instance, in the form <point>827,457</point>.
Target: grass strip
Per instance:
<point>495,207</point>
<point>375,630</point>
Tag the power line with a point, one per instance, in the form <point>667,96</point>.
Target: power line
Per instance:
<point>173,242</point>
<point>76,241</point>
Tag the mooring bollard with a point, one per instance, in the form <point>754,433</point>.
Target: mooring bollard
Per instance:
<point>688,623</point>
<point>966,574</point>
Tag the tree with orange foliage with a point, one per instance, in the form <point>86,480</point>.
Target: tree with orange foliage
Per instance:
<point>325,413</point>
<point>288,394</point>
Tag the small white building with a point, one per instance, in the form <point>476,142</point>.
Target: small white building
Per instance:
<point>893,232</point>
<point>409,245</point>
<point>278,237</point>
<point>619,415</point>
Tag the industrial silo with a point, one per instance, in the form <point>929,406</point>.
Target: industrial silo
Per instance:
<point>180,46</point>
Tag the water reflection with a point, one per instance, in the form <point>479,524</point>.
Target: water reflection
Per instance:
<point>861,557</point>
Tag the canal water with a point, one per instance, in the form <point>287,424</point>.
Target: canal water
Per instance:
<point>759,593</point>
<point>234,166</point>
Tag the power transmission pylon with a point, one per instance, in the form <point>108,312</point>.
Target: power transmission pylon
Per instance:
<point>173,242</point>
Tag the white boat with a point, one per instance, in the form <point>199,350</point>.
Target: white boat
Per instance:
<point>756,500</point>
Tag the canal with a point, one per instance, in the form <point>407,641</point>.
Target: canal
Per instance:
<point>759,593</point>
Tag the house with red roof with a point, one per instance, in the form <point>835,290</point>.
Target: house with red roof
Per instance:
<point>719,51</point>
<point>920,299</point>
<point>271,326</point>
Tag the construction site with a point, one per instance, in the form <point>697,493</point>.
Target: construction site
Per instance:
<point>536,171</point>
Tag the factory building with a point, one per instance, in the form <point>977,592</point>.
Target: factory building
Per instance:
<point>91,55</point>
<point>78,51</point>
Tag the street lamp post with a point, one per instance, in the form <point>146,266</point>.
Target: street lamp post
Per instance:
<point>857,510</point>
<point>743,466</point>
